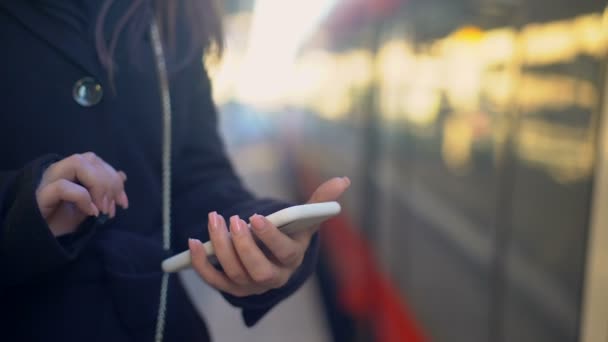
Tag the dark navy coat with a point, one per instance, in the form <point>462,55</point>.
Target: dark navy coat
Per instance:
<point>102,283</point>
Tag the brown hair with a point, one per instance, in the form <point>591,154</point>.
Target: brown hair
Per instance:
<point>203,22</point>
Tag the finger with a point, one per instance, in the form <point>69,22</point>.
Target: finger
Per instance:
<point>258,266</point>
<point>64,169</point>
<point>105,204</point>
<point>112,181</point>
<point>86,169</point>
<point>112,209</point>
<point>122,175</point>
<point>123,200</point>
<point>204,268</point>
<point>225,252</point>
<point>90,156</point>
<point>330,190</point>
<point>96,186</point>
<point>287,251</point>
<point>63,190</point>
<point>303,237</point>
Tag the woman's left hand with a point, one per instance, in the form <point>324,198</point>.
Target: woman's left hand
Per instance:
<point>247,268</point>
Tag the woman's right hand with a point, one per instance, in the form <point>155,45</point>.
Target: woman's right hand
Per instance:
<point>77,187</point>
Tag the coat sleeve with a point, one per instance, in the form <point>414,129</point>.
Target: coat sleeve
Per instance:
<point>206,181</point>
<point>27,246</point>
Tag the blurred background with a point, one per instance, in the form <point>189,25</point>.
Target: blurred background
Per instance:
<point>473,133</point>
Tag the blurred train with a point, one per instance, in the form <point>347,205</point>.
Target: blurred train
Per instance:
<point>474,133</point>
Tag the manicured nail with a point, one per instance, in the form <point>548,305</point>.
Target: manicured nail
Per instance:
<point>194,243</point>
<point>242,225</point>
<point>212,220</point>
<point>257,222</point>
<point>346,180</point>
<point>94,211</point>
<point>124,200</point>
<point>235,225</point>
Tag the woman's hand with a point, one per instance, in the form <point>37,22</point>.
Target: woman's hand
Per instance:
<point>76,187</point>
<point>248,269</point>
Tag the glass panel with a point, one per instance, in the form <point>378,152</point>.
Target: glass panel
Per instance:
<point>553,152</point>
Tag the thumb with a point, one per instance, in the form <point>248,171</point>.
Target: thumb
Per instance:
<point>331,190</point>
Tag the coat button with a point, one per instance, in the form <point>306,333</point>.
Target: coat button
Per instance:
<point>87,92</point>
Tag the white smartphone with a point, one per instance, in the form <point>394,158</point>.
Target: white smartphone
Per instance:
<point>289,220</point>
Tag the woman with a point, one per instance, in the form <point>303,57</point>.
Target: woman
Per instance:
<point>124,81</point>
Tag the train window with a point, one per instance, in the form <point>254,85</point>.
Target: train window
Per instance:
<point>553,159</point>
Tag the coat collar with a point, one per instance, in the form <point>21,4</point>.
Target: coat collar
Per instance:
<point>73,46</point>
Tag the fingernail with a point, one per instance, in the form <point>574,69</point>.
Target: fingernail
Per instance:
<point>346,180</point>
<point>235,226</point>
<point>124,200</point>
<point>257,222</point>
<point>94,210</point>
<point>243,225</point>
<point>194,243</point>
<point>213,220</point>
